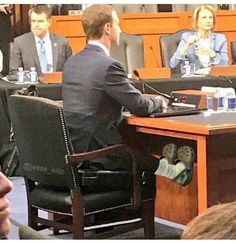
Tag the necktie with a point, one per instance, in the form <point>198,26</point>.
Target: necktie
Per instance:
<point>42,57</point>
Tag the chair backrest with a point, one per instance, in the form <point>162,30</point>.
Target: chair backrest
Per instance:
<point>130,51</point>
<point>41,139</point>
<point>169,44</point>
<point>188,7</point>
<point>233,51</point>
<point>135,8</point>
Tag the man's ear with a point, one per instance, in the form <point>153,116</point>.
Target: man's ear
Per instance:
<point>107,29</point>
<point>49,22</point>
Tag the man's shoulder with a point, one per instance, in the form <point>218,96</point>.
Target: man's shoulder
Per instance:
<point>24,36</point>
<point>58,37</point>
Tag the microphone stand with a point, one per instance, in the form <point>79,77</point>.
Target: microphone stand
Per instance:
<point>136,73</point>
<point>226,78</point>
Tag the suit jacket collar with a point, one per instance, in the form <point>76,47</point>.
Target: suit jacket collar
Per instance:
<point>98,43</point>
<point>32,46</point>
<point>212,40</point>
<point>94,47</point>
<point>55,50</point>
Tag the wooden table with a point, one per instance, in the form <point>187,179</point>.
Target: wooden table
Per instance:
<point>214,139</point>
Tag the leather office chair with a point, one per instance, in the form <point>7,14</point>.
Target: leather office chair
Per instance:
<point>130,51</point>
<point>57,181</point>
<point>135,8</point>
<point>189,7</point>
<point>169,44</point>
<point>233,51</point>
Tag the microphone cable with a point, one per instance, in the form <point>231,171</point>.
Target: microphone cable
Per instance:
<point>136,73</point>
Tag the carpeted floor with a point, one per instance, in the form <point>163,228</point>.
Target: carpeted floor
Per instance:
<point>19,213</point>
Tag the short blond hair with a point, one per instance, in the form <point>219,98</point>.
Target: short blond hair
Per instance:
<point>218,222</point>
<point>196,15</point>
<point>40,9</point>
<point>94,19</point>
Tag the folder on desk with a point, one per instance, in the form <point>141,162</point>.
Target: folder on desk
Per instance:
<point>176,111</point>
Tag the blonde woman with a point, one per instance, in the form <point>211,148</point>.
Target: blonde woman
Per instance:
<point>202,46</point>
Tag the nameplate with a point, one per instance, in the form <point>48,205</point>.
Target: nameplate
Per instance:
<point>223,70</point>
<point>154,73</point>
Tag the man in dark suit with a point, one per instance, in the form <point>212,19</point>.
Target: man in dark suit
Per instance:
<point>95,90</point>
<point>45,51</point>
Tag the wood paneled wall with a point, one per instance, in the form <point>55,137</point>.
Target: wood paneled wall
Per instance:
<point>150,25</point>
<point>20,19</point>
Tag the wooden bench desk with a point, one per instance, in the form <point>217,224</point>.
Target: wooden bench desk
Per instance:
<point>213,138</point>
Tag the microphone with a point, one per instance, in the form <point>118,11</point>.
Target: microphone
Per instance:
<point>155,57</point>
<point>136,73</point>
<point>144,7</point>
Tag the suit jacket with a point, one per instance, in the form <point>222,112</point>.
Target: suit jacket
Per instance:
<point>218,43</point>
<point>24,53</point>
<point>95,89</point>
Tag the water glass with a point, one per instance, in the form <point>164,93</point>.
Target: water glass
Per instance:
<point>229,102</point>
<point>187,70</point>
<point>209,99</point>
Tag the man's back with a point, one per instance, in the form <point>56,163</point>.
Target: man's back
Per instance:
<point>95,87</point>
<point>85,104</point>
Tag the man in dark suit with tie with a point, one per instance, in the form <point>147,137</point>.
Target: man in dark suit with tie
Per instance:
<point>95,90</point>
<point>45,51</point>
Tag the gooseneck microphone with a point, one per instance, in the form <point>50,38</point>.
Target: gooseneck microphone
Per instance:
<point>136,73</point>
<point>142,82</point>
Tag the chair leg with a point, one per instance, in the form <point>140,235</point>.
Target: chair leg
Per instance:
<point>78,220</point>
<point>148,219</point>
<point>78,227</point>
<point>54,217</point>
<point>55,231</point>
<point>32,216</point>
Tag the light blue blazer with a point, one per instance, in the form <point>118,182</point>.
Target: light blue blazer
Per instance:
<point>218,43</point>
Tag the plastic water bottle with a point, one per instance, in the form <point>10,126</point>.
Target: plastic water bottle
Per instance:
<point>33,75</point>
<point>20,75</point>
<point>229,101</point>
<point>186,69</point>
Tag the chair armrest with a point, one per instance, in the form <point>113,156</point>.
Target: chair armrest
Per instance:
<point>75,158</point>
<point>96,153</point>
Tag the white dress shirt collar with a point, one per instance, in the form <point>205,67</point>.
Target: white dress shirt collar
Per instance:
<point>45,39</point>
<point>97,43</point>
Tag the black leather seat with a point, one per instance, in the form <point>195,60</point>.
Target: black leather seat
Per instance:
<point>130,51</point>
<point>169,44</point>
<point>57,182</point>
